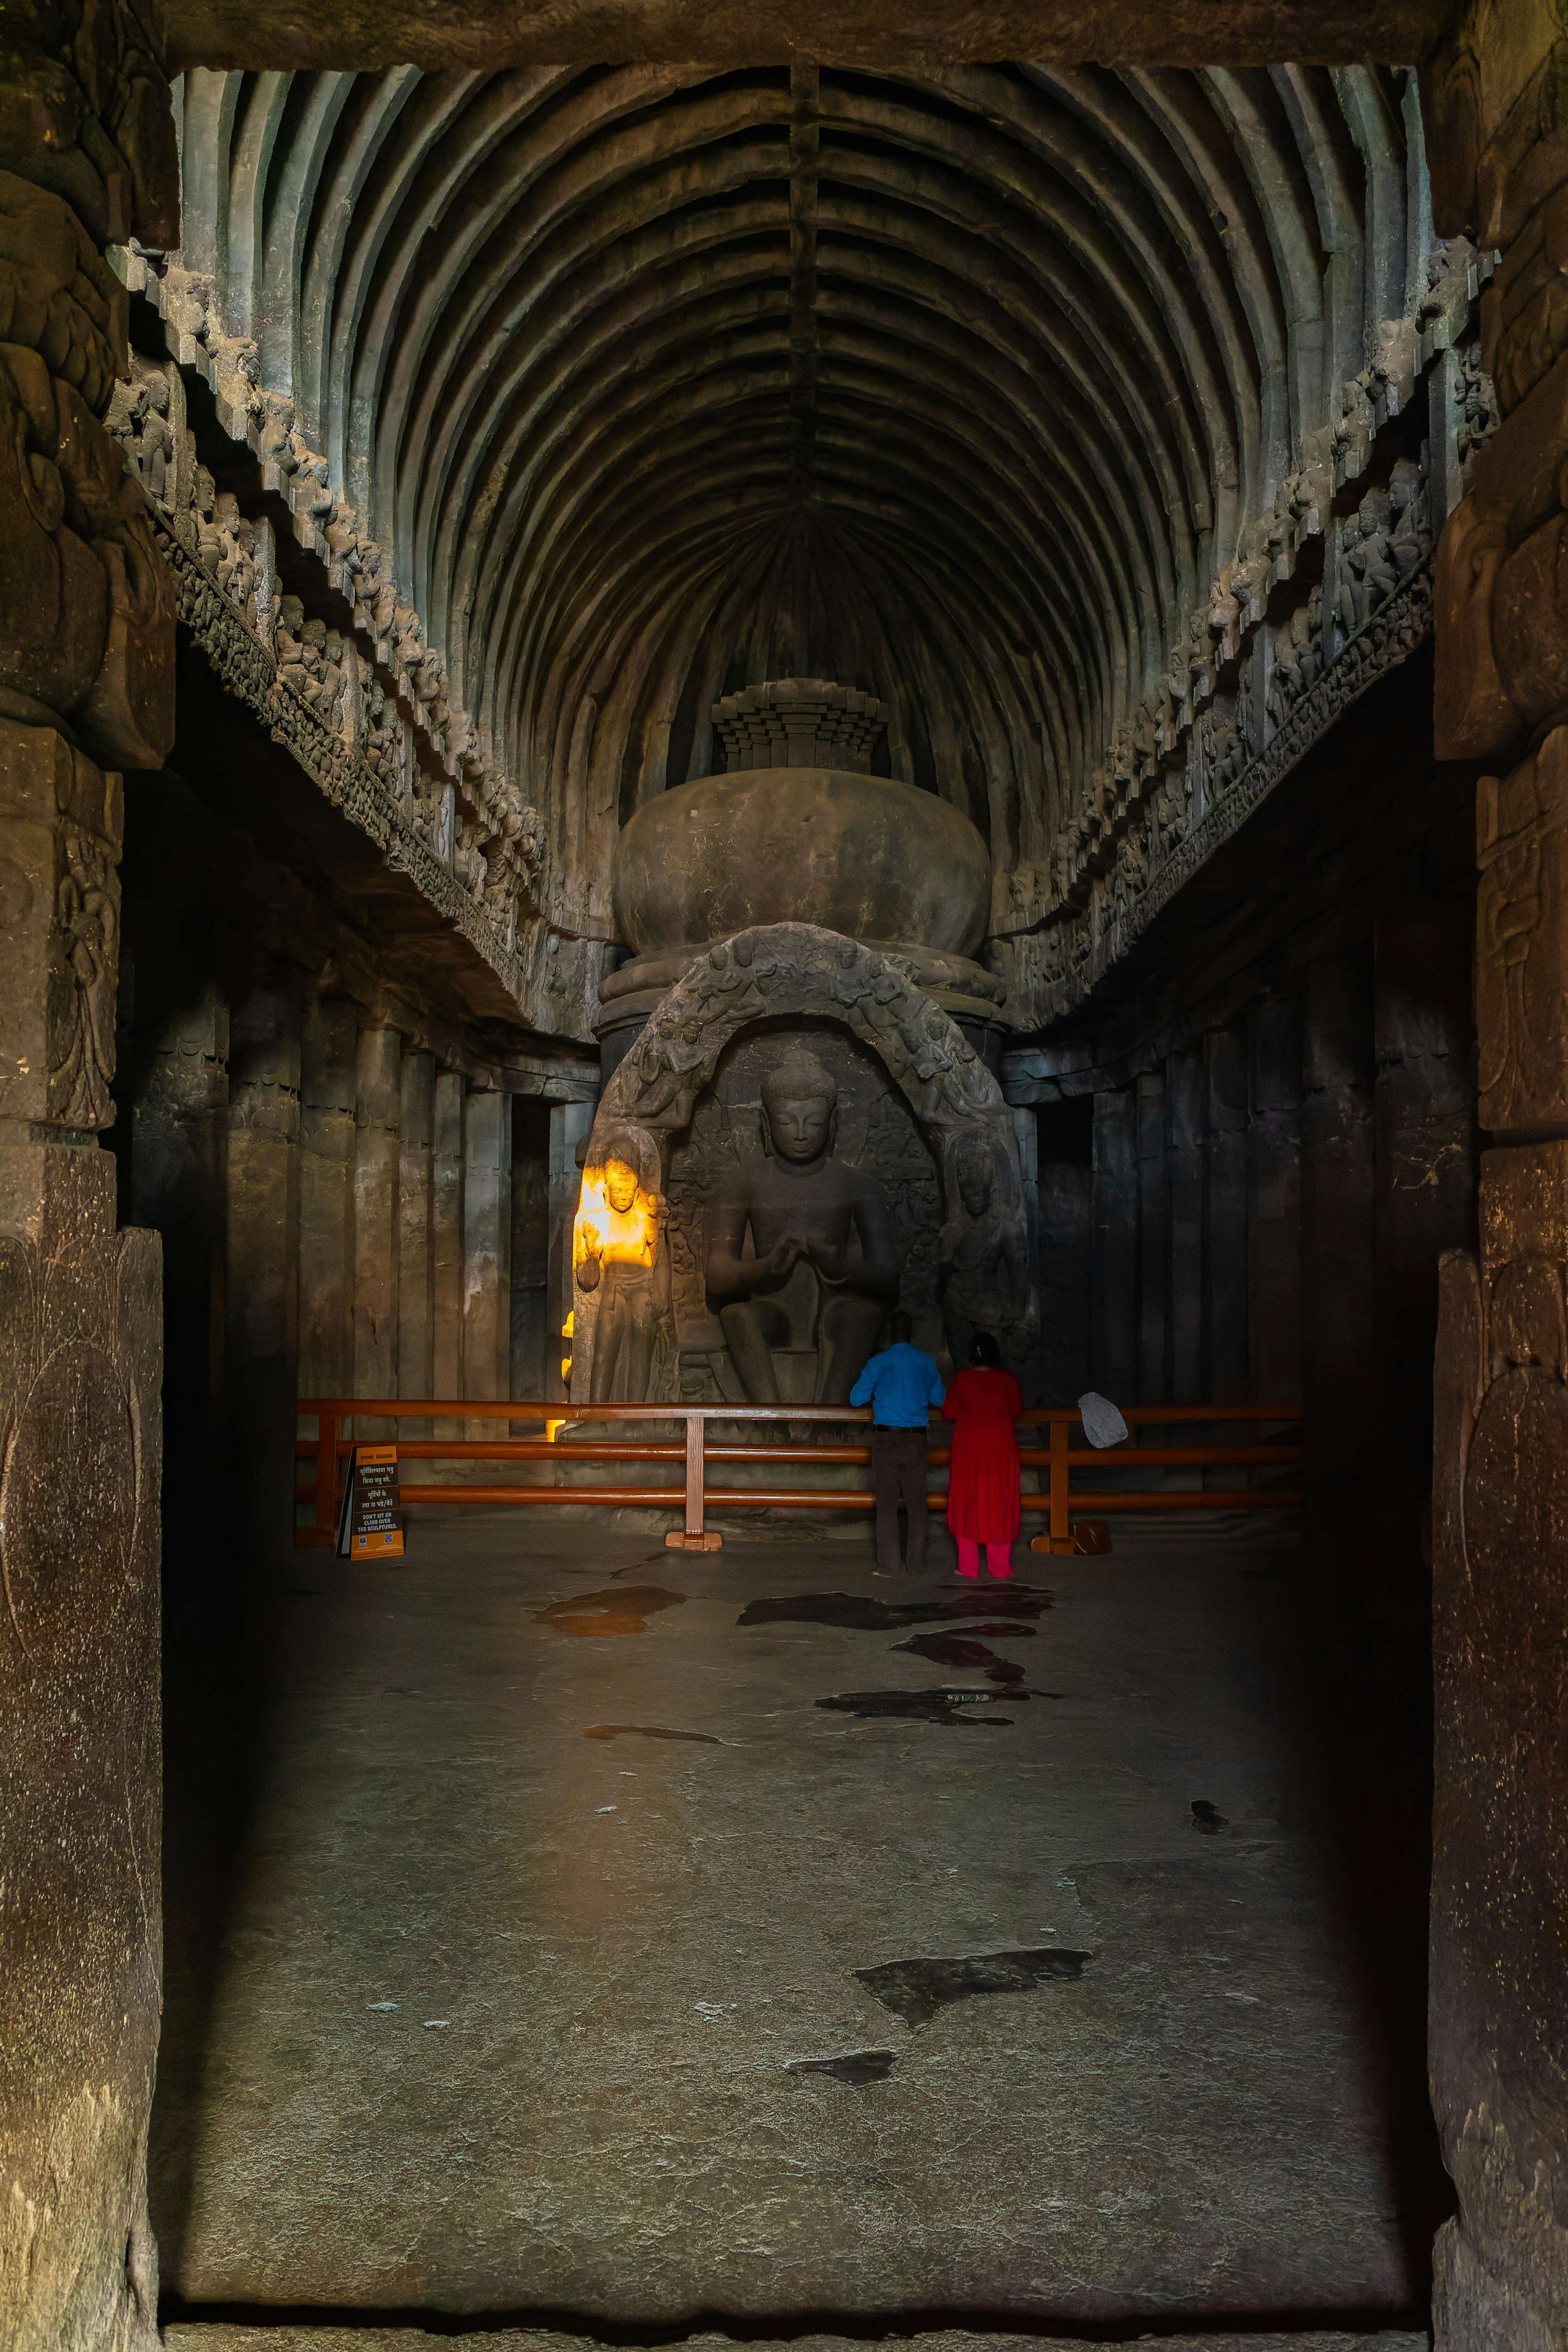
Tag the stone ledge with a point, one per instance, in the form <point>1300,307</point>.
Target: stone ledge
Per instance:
<point>204,2337</point>
<point>244,669</point>
<point>1385,640</point>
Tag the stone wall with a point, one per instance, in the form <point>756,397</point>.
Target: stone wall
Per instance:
<point>1496,93</point>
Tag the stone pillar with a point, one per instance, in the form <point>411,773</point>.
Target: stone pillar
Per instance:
<point>262,1286</point>
<point>377,1147</point>
<point>1066,1258</point>
<point>530,1246</point>
<point>327,1078</point>
<point>568,1126</point>
<point>1274,1200</point>
<point>81,1372</point>
<point>86,634</point>
<point>416,1232</point>
<point>1224,1216</point>
<point>1425,1050</point>
<point>1185,1188</point>
<point>446,1241</point>
<point>487,1249</point>
<point>179,1162</point>
<point>1113,1330</point>
<point>1153,1242</point>
<point>1025,1129</point>
<point>1495,96</point>
<point>1340,1380</point>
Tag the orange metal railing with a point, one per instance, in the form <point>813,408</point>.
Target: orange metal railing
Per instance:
<point>693,1497</point>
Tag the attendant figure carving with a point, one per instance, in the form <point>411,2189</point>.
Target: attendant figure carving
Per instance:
<point>620,1254</point>
<point>985,1283</point>
<point>801,1205</point>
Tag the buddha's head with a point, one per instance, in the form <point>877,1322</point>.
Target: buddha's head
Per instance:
<point>800,1105</point>
<point>620,1185</point>
<point>626,1170</point>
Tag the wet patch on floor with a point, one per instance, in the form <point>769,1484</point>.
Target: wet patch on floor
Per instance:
<point>855,1613</point>
<point>920,1707</point>
<point>969,1650</point>
<point>1207,1819</point>
<point>916,1989</point>
<point>622,1609</point>
<point>648,1731</point>
<point>856,2067</point>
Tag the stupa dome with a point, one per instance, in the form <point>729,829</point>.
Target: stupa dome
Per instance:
<point>789,835</point>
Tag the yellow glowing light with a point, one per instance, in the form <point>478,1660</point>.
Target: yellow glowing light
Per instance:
<point>566,1327</point>
<point>552,1426</point>
<point>605,1232</point>
<point>565,1367</point>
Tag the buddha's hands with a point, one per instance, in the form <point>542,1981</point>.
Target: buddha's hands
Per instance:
<point>832,1264</point>
<point>588,1268</point>
<point>783,1257</point>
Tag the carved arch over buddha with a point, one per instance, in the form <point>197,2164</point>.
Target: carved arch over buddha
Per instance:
<point>778,973</point>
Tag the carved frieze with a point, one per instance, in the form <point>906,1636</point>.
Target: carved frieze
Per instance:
<point>1521,960</point>
<point>61,820</point>
<point>322,703</point>
<point>1053,971</point>
<point>501,830</point>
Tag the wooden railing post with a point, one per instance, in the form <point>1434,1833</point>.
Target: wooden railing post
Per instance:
<point>693,1536</point>
<point>1061,1526</point>
<point>327,1427</point>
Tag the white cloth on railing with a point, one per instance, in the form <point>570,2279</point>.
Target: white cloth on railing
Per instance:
<point>1102,1424</point>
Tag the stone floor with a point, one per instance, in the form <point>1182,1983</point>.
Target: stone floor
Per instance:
<point>544,1958</point>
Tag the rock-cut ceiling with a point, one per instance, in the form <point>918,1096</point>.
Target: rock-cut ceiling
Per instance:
<point>959,386</point>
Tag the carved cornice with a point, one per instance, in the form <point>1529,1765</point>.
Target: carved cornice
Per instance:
<point>1384,641</point>
<point>245,669</point>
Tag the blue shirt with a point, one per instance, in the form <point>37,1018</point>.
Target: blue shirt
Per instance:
<point>899,1385</point>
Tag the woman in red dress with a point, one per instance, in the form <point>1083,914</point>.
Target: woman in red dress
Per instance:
<point>983,1403</point>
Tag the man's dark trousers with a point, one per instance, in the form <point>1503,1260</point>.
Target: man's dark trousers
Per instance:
<point>898,1476</point>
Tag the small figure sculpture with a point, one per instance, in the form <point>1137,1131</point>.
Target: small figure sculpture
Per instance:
<point>985,1278</point>
<point>799,1204</point>
<point>617,1252</point>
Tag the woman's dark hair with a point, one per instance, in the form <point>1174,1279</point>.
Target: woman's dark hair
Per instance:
<point>983,1349</point>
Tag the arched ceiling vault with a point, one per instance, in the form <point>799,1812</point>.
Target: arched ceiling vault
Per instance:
<point>963,386</point>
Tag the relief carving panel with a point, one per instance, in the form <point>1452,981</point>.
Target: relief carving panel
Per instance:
<point>916,1105</point>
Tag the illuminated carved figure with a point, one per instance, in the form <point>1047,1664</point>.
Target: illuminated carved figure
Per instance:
<point>618,1254</point>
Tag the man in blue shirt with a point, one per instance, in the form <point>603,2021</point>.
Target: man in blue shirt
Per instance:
<point>901,1386</point>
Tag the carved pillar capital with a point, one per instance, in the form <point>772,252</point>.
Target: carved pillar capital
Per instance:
<point>87,611</point>
<point>61,820</point>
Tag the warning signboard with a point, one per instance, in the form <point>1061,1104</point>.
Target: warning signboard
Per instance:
<point>370,1525</point>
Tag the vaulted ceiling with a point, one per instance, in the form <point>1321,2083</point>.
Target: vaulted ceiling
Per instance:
<point>958,385</point>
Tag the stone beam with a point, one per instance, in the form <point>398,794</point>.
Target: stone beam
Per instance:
<point>478,36</point>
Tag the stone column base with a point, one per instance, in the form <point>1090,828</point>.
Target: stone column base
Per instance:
<point>80,1946</point>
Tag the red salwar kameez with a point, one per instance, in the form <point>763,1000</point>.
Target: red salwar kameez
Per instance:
<point>983,1483</point>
